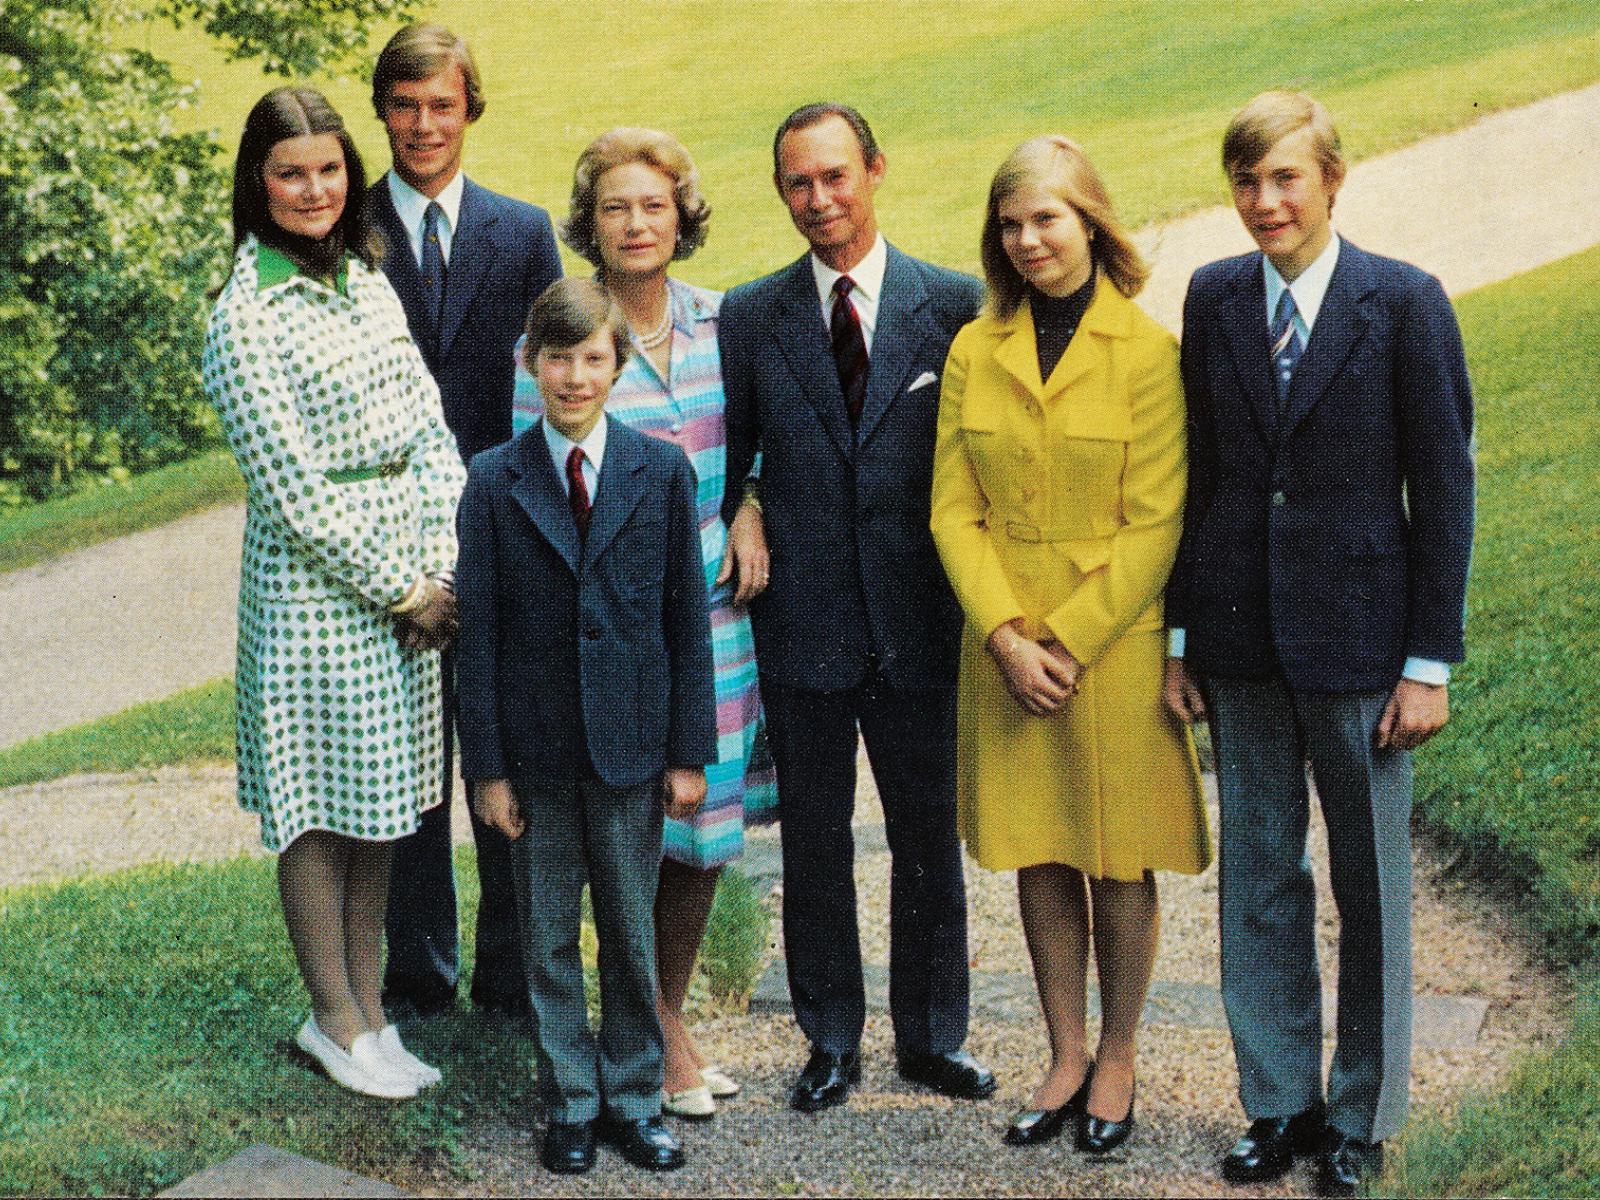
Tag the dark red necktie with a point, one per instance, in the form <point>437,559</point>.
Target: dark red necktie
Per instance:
<point>849,348</point>
<point>578,491</point>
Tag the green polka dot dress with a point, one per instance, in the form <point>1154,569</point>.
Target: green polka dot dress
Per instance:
<point>318,387</point>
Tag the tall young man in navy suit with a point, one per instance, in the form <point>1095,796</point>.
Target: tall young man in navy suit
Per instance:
<point>1316,604</point>
<point>831,369</point>
<point>467,264</point>
<point>586,708</point>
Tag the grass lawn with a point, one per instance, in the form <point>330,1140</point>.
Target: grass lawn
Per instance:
<point>1146,88</point>
<point>40,531</point>
<point>193,725</point>
<point>1512,780</point>
<point>949,88</point>
<point>147,1023</point>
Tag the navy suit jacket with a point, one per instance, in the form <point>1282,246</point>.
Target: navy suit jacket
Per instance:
<point>502,256</point>
<point>1333,542</point>
<point>856,581</point>
<point>592,654</point>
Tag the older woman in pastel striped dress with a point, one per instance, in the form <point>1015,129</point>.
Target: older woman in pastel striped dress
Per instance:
<point>636,207</point>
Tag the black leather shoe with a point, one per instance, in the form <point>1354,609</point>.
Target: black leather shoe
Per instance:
<point>1096,1135</point>
<point>957,1074</point>
<point>825,1081</point>
<point>1035,1126</point>
<point>645,1143</point>
<point>1345,1162</point>
<point>568,1148</point>
<point>1268,1147</point>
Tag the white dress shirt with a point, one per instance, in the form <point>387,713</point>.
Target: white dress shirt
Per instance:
<point>594,449</point>
<point>867,276</point>
<point>1309,290</point>
<point>412,207</point>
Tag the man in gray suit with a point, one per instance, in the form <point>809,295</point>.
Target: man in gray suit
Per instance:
<point>831,368</point>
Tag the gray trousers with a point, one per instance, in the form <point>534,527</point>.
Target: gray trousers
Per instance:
<point>579,830</point>
<point>1264,732</point>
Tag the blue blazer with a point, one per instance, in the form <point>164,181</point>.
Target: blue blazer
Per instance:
<point>1333,543</point>
<point>502,256</point>
<point>856,581</point>
<point>577,655</point>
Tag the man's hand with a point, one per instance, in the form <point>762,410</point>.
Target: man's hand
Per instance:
<point>496,806</point>
<point>1181,691</point>
<point>745,559</point>
<point>1038,678</point>
<point>1414,714</point>
<point>433,625</point>
<point>683,791</point>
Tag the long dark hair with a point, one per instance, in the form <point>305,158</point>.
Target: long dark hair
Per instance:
<point>290,112</point>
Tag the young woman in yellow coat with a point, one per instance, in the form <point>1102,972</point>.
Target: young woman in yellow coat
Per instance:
<point>1057,503</point>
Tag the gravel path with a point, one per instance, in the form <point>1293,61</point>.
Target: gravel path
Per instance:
<point>893,1138</point>
<point>144,616</point>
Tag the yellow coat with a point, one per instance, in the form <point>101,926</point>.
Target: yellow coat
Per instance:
<point>1061,502</point>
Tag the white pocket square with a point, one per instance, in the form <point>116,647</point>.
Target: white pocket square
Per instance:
<point>923,380</point>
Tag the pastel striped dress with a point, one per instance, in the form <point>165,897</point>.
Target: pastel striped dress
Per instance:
<point>687,410</point>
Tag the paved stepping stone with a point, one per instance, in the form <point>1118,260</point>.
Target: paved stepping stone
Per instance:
<point>263,1170</point>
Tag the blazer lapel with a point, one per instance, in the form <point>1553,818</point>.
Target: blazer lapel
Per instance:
<point>617,494</point>
<point>535,486</point>
<point>401,267</point>
<point>1245,334</point>
<point>1106,316</point>
<point>1341,323</point>
<point>803,338</point>
<point>472,253</point>
<point>1018,351</point>
<point>896,342</point>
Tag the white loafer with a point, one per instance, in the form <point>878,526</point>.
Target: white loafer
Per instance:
<point>720,1084</point>
<point>692,1104</point>
<point>406,1063</point>
<point>347,1068</point>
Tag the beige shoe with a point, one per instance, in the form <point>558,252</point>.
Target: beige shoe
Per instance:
<point>721,1086</point>
<point>361,1068</point>
<point>692,1104</point>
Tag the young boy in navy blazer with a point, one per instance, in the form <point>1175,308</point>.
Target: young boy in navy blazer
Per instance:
<point>586,709</point>
<point>1316,605</point>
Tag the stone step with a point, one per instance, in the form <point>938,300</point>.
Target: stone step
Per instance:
<point>263,1170</point>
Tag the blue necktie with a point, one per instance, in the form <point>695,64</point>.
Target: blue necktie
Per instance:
<point>433,261</point>
<point>1286,346</point>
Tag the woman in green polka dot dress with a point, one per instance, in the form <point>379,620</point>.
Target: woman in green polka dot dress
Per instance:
<point>345,597</point>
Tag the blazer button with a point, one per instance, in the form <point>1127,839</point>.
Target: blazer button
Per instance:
<point>1278,499</point>
<point>592,634</point>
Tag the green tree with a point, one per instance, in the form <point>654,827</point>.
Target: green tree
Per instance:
<point>114,227</point>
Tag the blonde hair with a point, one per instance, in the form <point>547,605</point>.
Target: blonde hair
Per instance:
<point>1272,116</point>
<point>630,144</point>
<point>1059,165</point>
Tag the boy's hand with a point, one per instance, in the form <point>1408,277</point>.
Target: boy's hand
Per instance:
<point>496,806</point>
<point>683,791</point>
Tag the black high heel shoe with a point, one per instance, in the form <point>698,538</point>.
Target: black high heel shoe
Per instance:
<point>1096,1135</point>
<point>1035,1126</point>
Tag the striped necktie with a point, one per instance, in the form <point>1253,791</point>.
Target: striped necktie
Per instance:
<point>849,348</point>
<point>1286,346</point>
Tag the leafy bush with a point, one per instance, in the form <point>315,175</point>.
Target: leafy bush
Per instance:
<point>116,229</point>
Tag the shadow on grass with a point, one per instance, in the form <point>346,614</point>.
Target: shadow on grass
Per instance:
<point>147,1021</point>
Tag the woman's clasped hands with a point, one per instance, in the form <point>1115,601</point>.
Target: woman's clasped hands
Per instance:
<point>1041,676</point>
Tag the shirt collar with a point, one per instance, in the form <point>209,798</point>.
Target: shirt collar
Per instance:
<point>594,446</point>
<point>1308,290</point>
<point>412,205</point>
<point>275,268</point>
<point>866,275</point>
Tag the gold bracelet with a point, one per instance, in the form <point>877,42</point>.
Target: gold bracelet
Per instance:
<point>416,595</point>
<point>752,494</point>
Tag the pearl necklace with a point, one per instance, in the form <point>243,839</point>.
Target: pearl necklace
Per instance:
<point>656,336</point>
